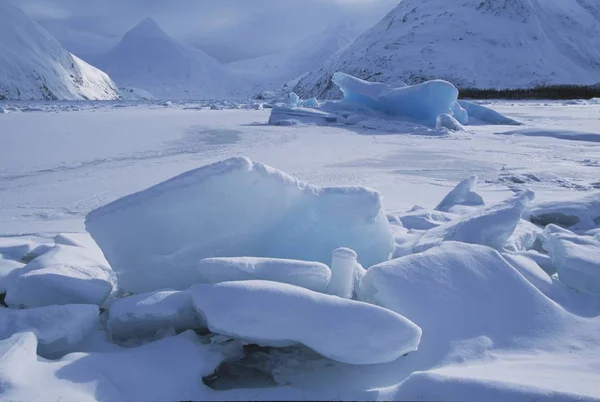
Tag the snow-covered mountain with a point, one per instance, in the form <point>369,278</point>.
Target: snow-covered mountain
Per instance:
<point>473,43</point>
<point>34,65</point>
<point>149,59</point>
<point>272,71</point>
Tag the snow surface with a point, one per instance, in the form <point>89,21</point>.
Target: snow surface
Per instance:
<point>471,43</point>
<point>517,331</point>
<point>149,59</point>
<point>34,65</point>
<point>155,238</point>
<point>307,274</point>
<point>277,314</point>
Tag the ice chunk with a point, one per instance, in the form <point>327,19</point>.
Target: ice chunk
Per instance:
<point>155,238</point>
<point>578,212</point>
<point>294,99</point>
<point>166,370</point>
<point>576,258</point>
<point>64,275</point>
<point>486,115</point>
<point>424,101</point>
<point>360,92</point>
<point>277,314</point>
<point>460,114</point>
<point>57,328</point>
<point>458,291</point>
<point>282,114</point>
<point>448,122</point>
<point>463,194</point>
<point>143,315</point>
<point>343,271</point>
<point>524,236</point>
<point>307,274</point>
<point>491,226</point>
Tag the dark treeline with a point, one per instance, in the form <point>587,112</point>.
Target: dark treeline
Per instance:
<point>543,92</point>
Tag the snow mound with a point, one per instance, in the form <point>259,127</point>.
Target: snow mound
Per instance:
<point>491,226</point>
<point>145,315</point>
<point>149,59</point>
<point>473,44</point>
<point>57,328</point>
<point>577,212</point>
<point>344,272</point>
<point>307,274</point>
<point>484,115</point>
<point>167,370</point>
<point>424,219</point>
<point>154,239</point>
<point>463,194</point>
<point>34,65</point>
<point>523,237</point>
<point>459,291</point>
<point>576,258</point>
<point>277,314</point>
<point>63,275</point>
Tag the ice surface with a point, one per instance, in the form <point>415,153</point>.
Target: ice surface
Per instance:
<point>575,212</point>
<point>155,238</point>
<point>63,275</point>
<point>343,272</point>
<point>458,291</point>
<point>169,369</point>
<point>463,194</point>
<point>576,258</point>
<point>57,328</point>
<point>307,274</point>
<point>143,315</point>
<point>491,226</point>
<point>486,115</point>
<point>556,133</point>
<point>277,314</point>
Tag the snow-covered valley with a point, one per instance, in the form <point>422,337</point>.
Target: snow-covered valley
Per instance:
<point>498,322</point>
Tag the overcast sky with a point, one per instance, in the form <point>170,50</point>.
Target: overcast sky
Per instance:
<point>228,29</point>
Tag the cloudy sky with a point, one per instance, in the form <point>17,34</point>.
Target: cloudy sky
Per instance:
<point>228,29</point>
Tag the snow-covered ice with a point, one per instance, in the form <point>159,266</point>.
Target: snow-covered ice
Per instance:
<point>343,272</point>
<point>277,314</point>
<point>307,274</point>
<point>463,194</point>
<point>144,315</point>
<point>491,226</point>
<point>580,211</point>
<point>63,275</point>
<point>57,328</point>
<point>576,258</point>
<point>155,238</point>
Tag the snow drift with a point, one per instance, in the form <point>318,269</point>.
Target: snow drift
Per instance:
<point>154,239</point>
<point>471,43</point>
<point>34,65</point>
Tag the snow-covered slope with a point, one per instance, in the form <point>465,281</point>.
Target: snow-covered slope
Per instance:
<point>34,65</point>
<point>272,71</point>
<point>149,59</point>
<point>473,43</point>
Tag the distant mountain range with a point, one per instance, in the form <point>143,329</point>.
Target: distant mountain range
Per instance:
<point>472,43</point>
<point>35,66</point>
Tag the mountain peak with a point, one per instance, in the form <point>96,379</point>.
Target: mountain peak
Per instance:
<point>147,28</point>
